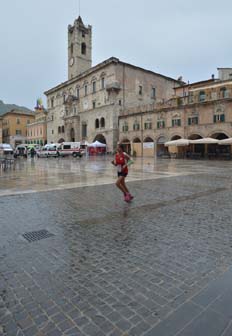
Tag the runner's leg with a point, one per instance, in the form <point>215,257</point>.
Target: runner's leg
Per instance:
<point>120,185</point>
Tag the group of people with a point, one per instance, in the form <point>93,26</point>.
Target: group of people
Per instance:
<point>122,160</point>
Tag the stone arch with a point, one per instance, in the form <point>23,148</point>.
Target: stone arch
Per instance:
<point>100,138</point>
<point>195,136</point>
<point>127,145</point>
<point>220,135</point>
<point>137,147</point>
<point>175,137</point>
<point>136,140</point>
<point>148,139</point>
<point>160,148</point>
<point>61,140</point>
<point>148,147</point>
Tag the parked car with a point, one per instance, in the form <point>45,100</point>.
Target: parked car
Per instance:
<point>48,150</point>
<point>6,150</point>
<point>21,150</point>
<point>70,148</point>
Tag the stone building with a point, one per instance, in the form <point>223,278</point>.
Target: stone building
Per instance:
<point>88,105</point>
<point>14,126</point>
<point>37,130</point>
<point>197,110</point>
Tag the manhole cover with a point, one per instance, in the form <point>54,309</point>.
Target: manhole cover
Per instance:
<point>37,235</point>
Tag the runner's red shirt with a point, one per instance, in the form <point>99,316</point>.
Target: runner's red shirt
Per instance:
<point>120,160</point>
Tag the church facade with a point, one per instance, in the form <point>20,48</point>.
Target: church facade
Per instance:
<point>88,105</point>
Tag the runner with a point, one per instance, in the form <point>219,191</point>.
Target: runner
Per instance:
<point>121,161</point>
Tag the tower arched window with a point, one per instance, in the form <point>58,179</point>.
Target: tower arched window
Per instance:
<point>102,122</point>
<point>71,48</point>
<point>97,123</point>
<point>83,48</point>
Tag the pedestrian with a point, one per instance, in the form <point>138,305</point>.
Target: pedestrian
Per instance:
<point>121,162</point>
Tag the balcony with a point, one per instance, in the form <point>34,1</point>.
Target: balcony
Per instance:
<point>114,86</point>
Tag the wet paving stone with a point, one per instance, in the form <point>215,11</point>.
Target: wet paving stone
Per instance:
<point>146,268</point>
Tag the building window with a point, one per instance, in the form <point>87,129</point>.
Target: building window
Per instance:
<point>18,121</point>
<point>190,98</point>
<point>83,34</point>
<point>97,123</point>
<point>52,132</point>
<point>59,129</point>
<point>193,121</point>
<point>86,90</point>
<point>153,93</point>
<point>120,102</point>
<point>78,93</point>
<point>202,96</point>
<point>71,48</point>
<point>140,90</point>
<point>103,83</point>
<point>94,104</point>
<point>224,93</point>
<point>176,122</point>
<point>84,130</point>
<point>219,118</point>
<point>64,98</point>
<point>136,126</point>
<point>148,125</point>
<point>52,102</point>
<point>62,129</point>
<point>94,87</point>
<point>161,124</point>
<point>18,132</point>
<point>83,48</point>
<point>102,122</point>
<point>28,121</point>
<point>125,128</point>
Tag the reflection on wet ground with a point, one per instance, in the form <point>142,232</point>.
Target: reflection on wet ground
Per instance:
<point>160,265</point>
<point>33,175</point>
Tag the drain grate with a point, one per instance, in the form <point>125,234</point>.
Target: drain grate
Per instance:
<point>37,235</point>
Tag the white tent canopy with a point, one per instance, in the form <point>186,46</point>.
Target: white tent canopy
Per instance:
<point>227,141</point>
<point>205,141</point>
<point>179,142</point>
<point>96,144</point>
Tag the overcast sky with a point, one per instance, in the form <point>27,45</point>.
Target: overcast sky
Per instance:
<point>171,37</point>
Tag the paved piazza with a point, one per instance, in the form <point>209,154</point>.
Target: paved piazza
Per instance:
<point>159,266</point>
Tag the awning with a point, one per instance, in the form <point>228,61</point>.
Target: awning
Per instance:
<point>227,141</point>
<point>179,142</point>
<point>204,141</point>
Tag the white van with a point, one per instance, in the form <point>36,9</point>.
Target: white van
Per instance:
<point>6,149</point>
<point>70,148</point>
<point>48,150</point>
<point>21,150</point>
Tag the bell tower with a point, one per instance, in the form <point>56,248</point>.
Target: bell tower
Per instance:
<point>79,48</point>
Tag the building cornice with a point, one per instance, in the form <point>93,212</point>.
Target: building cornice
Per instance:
<point>171,108</point>
<point>111,60</point>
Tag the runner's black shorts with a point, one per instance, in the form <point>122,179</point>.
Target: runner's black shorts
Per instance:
<point>122,174</point>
